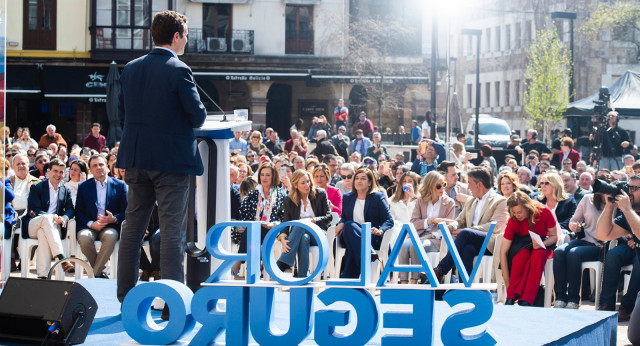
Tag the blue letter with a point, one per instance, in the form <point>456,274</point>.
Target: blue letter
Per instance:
<point>365,261</point>
<point>235,320</point>
<point>135,312</point>
<point>425,265</point>
<point>420,320</point>
<point>261,311</point>
<point>252,257</point>
<point>327,320</point>
<point>464,276</point>
<point>451,333</point>
<point>269,260</point>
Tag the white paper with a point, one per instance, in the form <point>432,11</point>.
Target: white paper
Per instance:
<point>535,237</point>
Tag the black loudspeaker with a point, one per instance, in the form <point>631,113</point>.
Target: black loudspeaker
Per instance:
<point>29,307</point>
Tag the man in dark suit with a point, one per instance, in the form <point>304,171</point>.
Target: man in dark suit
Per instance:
<point>49,206</point>
<point>100,210</point>
<point>160,106</point>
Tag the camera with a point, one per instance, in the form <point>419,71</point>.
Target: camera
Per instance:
<point>531,157</point>
<point>602,187</point>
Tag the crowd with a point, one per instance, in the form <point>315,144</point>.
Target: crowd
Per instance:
<point>48,185</point>
<point>548,191</point>
<point>542,199</point>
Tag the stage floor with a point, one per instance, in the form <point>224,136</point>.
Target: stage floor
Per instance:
<point>510,324</point>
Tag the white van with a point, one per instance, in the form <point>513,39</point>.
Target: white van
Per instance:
<point>493,131</point>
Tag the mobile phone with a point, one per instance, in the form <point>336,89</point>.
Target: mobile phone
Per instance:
<point>85,151</point>
<point>283,171</point>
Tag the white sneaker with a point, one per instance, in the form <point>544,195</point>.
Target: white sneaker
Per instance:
<point>559,304</point>
<point>572,305</point>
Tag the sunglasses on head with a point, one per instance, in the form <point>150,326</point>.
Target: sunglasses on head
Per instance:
<point>350,176</point>
<point>439,186</point>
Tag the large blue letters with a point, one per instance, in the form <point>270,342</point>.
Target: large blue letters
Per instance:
<point>451,333</point>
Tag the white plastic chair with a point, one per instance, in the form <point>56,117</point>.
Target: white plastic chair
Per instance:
<point>6,256</point>
<point>112,263</point>
<point>595,270</point>
<point>502,287</point>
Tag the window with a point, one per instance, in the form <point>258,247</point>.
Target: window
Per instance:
<point>488,40</point>
<point>507,93</point>
<point>124,24</point>
<point>299,30</point>
<point>497,28</point>
<point>518,36</point>
<point>487,88</point>
<point>507,37</point>
<point>498,94</point>
<point>216,20</point>
<point>39,24</point>
<point>469,95</point>
<point>517,93</point>
<point>527,31</point>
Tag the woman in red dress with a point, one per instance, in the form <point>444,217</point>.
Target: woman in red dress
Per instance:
<point>522,259</point>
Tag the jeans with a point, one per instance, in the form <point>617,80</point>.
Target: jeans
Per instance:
<point>299,242</point>
<point>567,267</point>
<point>612,163</point>
<point>615,259</point>
<point>468,242</point>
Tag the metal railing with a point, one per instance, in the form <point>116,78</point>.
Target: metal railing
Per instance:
<point>240,42</point>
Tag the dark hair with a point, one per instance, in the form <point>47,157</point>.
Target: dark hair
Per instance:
<point>327,158</point>
<point>460,135</point>
<point>443,167</point>
<point>56,162</point>
<point>482,175</point>
<point>275,176</point>
<point>370,176</point>
<point>81,164</point>
<point>165,25</point>
<point>486,150</point>
<point>534,152</point>
<point>567,141</point>
<point>95,157</point>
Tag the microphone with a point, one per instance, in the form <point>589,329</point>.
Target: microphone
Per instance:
<point>224,115</point>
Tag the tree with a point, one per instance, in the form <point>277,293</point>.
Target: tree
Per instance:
<point>621,18</point>
<point>377,48</point>
<point>548,73</point>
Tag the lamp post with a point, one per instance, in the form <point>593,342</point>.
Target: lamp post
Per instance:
<point>570,16</point>
<point>477,33</point>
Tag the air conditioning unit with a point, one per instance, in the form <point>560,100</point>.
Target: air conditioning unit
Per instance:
<point>241,45</point>
<point>216,44</point>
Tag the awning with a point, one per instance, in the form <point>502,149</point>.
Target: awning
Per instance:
<point>353,79</point>
<point>251,76</point>
<point>76,82</point>
<point>23,79</point>
<point>223,1</point>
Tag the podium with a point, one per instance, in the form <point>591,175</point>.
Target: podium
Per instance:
<point>209,196</point>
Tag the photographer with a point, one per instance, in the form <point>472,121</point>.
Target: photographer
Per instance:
<point>613,141</point>
<point>626,223</point>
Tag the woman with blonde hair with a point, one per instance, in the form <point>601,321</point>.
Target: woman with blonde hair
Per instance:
<point>562,204</point>
<point>432,207</point>
<point>304,202</point>
<point>255,142</point>
<point>521,258</point>
<point>321,177</point>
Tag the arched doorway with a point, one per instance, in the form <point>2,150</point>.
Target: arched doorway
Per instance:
<point>279,109</point>
<point>211,92</point>
<point>357,103</point>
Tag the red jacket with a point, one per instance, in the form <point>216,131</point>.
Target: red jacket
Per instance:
<point>574,155</point>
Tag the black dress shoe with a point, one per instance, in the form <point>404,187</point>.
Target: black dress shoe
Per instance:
<point>623,315</point>
<point>523,303</point>
<point>509,301</point>
<point>282,266</point>
<point>606,307</point>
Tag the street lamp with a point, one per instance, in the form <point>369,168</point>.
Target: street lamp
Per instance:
<point>477,33</point>
<point>571,16</point>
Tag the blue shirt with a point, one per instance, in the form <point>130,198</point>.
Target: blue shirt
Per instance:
<point>238,144</point>
<point>416,134</point>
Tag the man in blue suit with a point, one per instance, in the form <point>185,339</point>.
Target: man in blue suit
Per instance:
<point>49,208</point>
<point>100,210</point>
<point>160,106</point>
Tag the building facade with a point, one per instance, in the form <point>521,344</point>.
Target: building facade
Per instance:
<point>282,60</point>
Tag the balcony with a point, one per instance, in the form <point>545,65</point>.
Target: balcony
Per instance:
<point>240,42</point>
